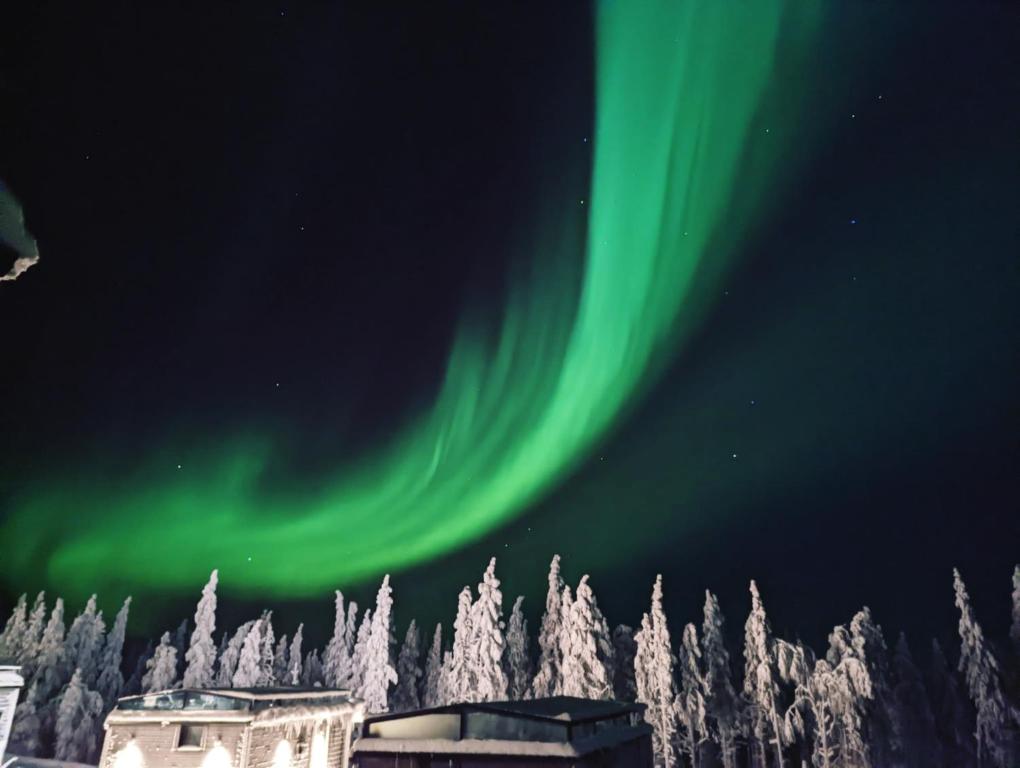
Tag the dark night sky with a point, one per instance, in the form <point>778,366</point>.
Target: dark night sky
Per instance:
<point>229,197</point>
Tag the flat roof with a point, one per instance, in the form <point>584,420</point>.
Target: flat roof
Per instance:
<point>562,709</point>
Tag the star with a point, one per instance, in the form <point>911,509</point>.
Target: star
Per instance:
<point>853,221</point>
<point>734,456</point>
<point>178,466</point>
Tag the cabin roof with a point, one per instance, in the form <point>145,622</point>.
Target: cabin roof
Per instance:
<point>559,709</point>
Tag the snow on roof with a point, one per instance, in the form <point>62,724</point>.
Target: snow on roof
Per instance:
<point>559,708</point>
<point>611,737</point>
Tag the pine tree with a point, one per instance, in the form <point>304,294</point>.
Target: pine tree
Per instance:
<point>336,659</point>
<point>379,673</point>
<point>547,680</point>
<point>409,674</point>
<point>293,676</point>
<point>77,717</point>
<point>624,649</point>
<point>201,655</point>
<point>12,638</point>
<point>691,707</point>
<point>761,688</point>
<point>434,670</point>
<point>311,672</point>
<point>455,684</point>
<point>32,637</point>
<point>230,657</point>
<point>356,676</point>
<point>486,677</point>
<point>585,646</point>
<point>281,661</point>
<point>161,669</point>
<point>953,722</point>
<point>1014,629</point>
<point>981,673</point>
<point>249,662</point>
<point>921,744</point>
<point>111,680</point>
<point>653,674</point>
<point>518,654</point>
<point>84,643</point>
<point>723,704</point>
<point>266,676</point>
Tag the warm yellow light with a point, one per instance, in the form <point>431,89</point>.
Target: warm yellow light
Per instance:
<point>319,747</point>
<point>129,757</point>
<point>283,754</point>
<point>218,757</point>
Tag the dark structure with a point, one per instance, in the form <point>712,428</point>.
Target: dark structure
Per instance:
<point>559,731</point>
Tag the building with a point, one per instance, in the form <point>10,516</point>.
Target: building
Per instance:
<point>232,728</point>
<point>10,684</point>
<point>559,731</point>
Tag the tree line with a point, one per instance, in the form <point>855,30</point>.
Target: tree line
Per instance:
<point>860,704</point>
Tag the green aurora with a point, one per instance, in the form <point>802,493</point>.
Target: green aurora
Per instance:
<point>678,89</point>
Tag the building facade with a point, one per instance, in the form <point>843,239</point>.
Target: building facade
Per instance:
<point>558,731</point>
<point>232,728</point>
<point>10,685</point>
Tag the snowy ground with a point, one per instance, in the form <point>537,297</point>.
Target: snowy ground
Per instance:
<point>38,762</point>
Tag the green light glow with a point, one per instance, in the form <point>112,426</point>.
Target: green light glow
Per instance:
<point>678,87</point>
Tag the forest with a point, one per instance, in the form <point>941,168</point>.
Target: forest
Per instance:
<point>865,701</point>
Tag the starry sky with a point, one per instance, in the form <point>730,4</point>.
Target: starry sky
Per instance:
<point>330,291</point>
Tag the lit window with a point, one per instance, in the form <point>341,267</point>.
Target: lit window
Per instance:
<point>190,736</point>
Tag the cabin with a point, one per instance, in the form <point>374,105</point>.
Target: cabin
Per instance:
<point>557,731</point>
<point>232,728</point>
<point>10,683</point>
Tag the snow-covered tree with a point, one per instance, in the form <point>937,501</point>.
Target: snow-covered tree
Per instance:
<point>133,686</point>
<point>883,731</point>
<point>653,675</point>
<point>311,671</point>
<point>761,688</point>
<point>180,643</point>
<point>585,646</point>
<point>84,643</point>
<point>111,680</point>
<point>624,649</point>
<point>920,739</point>
<point>1014,628</point>
<point>547,680</point>
<point>161,669</point>
<point>691,706</point>
<point>409,673</point>
<point>455,684</point>
<point>981,673</point>
<point>293,676</point>
<point>379,673</point>
<point>359,654</point>
<point>248,670</point>
<point>267,655</point>
<point>518,653</point>
<point>723,704</point>
<point>433,670</point>
<point>230,657</point>
<point>32,636</point>
<point>201,654</point>
<point>486,676</point>
<point>14,631</point>
<point>77,718</point>
<point>281,661</point>
<point>336,659</point>
<point>26,730</point>
<point>954,723</point>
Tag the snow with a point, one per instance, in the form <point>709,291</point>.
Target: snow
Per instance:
<point>39,762</point>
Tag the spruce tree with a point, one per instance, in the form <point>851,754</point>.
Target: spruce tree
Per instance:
<point>585,646</point>
<point>281,661</point>
<point>13,636</point>
<point>409,674</point>
<point>84,643</point>
<point>920,739</point>
<point>111,680</point>
<point>336,658</point>
<point>653,674</point>
<point>486,677</point>
<point>359,656</point>
<point>32,636</point>
<point>230,657</point>
<point>78,714</point>
<point>293,676</point>
<point>518,653</point>
<point>455,685</point>
<point>723,704</point>
<point>201,655</point>
<point>981,673</point>
<point>266,677</point>
<point>434,670</point>
<point>691,706</point>
<point>883,729</point>
<point>547,680</point>
<point>133,686</point>
<point>247,673</point>
<point>161,669</point>
<point>761,689</point>
<point>379,673</point>
<point>180,643</point>
<point>954,722</point>
<point>311,671</point>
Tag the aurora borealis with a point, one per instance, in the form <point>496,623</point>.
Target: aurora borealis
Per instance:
<point>664,354</point>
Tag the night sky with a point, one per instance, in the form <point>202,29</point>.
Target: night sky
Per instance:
<point>315,302</point>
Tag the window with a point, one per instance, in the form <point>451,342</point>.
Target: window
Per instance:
<point>190,736</point>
